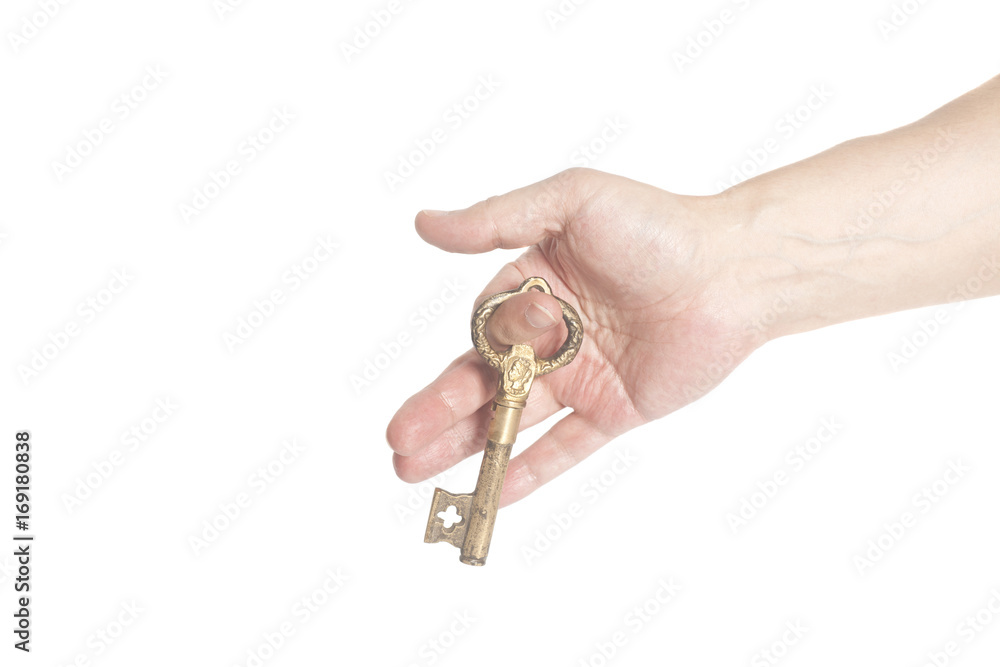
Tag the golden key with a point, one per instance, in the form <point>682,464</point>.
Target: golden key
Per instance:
<point>517,367</point>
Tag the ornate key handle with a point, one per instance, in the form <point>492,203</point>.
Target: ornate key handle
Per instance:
<point>517,366</point>
<point>513,373</point>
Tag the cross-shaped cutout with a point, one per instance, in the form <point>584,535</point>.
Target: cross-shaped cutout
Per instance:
<point>450,516</point>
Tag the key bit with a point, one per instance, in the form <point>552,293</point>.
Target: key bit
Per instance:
<point>517,368</point>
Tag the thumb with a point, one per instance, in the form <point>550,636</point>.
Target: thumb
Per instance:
<point>523,318</point>
<point>514,220</point>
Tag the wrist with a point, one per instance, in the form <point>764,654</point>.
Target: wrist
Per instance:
<point>807,253</point>
<point>793,265</point>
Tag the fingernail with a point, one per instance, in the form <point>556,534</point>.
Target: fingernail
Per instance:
<point>539,317</point>
<point>434,214</point>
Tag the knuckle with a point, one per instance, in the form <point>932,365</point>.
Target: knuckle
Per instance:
<point>445,400</point>
<point>490,209</point>
<point>577,177</point>
<point>570,188</point>
<point>503,331</point>
<point>577,172</point>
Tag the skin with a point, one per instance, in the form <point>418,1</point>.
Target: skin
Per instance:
<point>675,291</point>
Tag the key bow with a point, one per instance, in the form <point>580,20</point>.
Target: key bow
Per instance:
<point>563,355</point>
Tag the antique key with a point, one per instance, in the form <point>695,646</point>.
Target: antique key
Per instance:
<point>517,367</point>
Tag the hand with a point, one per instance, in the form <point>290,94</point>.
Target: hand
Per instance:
<point>663,315</point>
<point>675,291</point>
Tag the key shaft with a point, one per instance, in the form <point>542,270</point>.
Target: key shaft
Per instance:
<point>507,408</point>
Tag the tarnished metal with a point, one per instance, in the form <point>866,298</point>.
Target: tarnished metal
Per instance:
<point>517,368</point>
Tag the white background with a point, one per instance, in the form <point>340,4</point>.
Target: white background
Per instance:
<point>338,505</point>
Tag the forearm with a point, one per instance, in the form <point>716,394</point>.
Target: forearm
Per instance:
<point>879,224</point>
